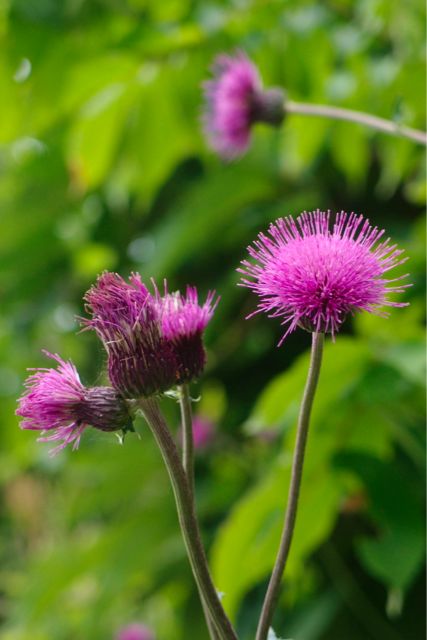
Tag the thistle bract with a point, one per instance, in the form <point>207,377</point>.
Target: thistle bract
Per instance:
<point>312,273</point>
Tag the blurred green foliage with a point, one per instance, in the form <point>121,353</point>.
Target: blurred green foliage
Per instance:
<point>103,166</point>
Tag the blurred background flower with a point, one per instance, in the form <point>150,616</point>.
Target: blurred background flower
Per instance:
<point>203,432</point>
<point>135,632</point>
<point>104,166</point>
<point>229,101</point>
<point>234,101</point>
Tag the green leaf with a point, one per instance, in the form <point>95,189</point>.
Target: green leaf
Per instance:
<point>277,406</point>
<point>96,133</point>
<point>253,530</point>
<point>93,258</point>
<point>395,555</point>
<point>160,135</point>
<point>204,214</point>
<point>409,358</point>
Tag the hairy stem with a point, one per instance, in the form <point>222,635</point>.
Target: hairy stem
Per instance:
<point>188,464</point>
<point>187,517</point>
<point>366,119</point>
<point>272,594</point>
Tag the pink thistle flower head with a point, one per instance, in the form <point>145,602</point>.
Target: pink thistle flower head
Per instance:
<point>313,274</point>
<point>125,317</point>
<point>153,342</point>
<point>234,101</point>
<point>183,321</point>
<point>135,632</point>
<point>57,404</point>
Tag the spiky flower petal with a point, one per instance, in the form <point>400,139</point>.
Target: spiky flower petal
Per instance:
<point>312,274</point>
<point>59,405</point>
<point>183,321</point>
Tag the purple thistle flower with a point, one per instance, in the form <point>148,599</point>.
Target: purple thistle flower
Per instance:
<point>135,632</point>
<point>313,276</point>
<point>140,362</point>
<point>153,342</point>
<point>235,100</point>
<point>56,402</point>
<point>183,321</point>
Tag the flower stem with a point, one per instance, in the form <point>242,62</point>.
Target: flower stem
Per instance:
<point>188,464</point>
<point>187,434</point>
<point>366,119</point>
<point>187,517</point>
<point>272,594</point>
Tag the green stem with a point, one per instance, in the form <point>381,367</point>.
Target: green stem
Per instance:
<point>366,119</point>
<point>272,594</point>
<point>187,517</point>
<point>188,464</point>
<point>187,434</point>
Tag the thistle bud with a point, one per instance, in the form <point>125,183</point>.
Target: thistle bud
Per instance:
<point>61,407</point>
<point>183,321</point>
<point>153,342</point>
<point>140,361</point>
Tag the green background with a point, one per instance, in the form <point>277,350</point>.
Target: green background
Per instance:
<point>103,166</point>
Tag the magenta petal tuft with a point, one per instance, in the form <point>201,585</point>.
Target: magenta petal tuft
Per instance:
<point>229,104</point>
<point>313,272</point>
<point>57,404</point>
<point>183,321</point>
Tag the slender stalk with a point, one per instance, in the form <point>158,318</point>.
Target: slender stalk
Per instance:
<point>209,623</point>
<point>272,594</point>
<point>188,464</point>
<point>366,119</point>
<point>187,434</point>
<point>187,517</point>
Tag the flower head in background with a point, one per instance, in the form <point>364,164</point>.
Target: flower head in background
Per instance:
<point>312,274</point>
<point>135,632</point>
<point>153,342</point>
<point>57,404</point>
<point>183,321</point>
<point>203,432</point>
<point>234,101</point>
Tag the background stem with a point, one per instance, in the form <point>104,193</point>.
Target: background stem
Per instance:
<point>272,594</point>
<point>187,434</point>
<point>188,464</point>
<point>366,119</point>
<point>187,517</point>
